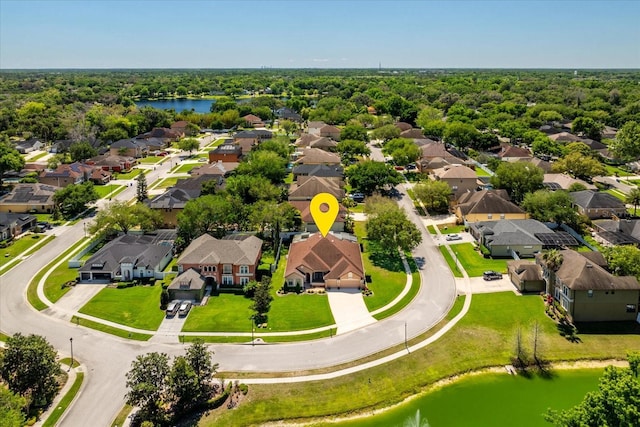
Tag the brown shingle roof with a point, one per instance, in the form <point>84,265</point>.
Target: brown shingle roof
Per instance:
<point>455,171</point>
<point>209,250</point>
<point>305,212</point>
<point>318,156</point>
<point>487,201</point>
<point>315,185</point>
<point>526,270</point>
<point>329,254</point>
<point>579,273</point>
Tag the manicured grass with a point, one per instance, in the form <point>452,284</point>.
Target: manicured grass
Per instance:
<point>617,194</point>
<point>482,172</point>
<point>295,312</point>
<point>3,337</point>
<point>635,182</point>
<point>484,337</point>
<point>415,287</point>
<point>37,157</point>
<point>449,259</point>
<point>137,306</point>
<point>167,182</point>
<point>474,263</point>
<point>416,203</point>
<point>616,171</point>
<point>450,228</point>
<point>32,290</point>
<point>67,361</point>
<point>25,243</point>
<point>151,160</point>
<point>132,174</point>
<point>590,240</point>
<point>122,416</point>
<point>431,229</point>
<point>105,190</point>
<point>64,402</point>
<point>110,329</point>
<point>359,208</point>
<point>386,271</point>
<point>267,339</point>
<point>215,143</point>
<point>289,179</point>
<point>55,285</point>
<point>186,167</point>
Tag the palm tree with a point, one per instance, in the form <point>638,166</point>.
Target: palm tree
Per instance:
<point>552,261</point>
<point>633,198</point>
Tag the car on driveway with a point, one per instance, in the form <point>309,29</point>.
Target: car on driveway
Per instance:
<point>185,306</point>
<point>491,275</point>
<point>172,308</point>
<point>357,197</point>
<point>451,237</point>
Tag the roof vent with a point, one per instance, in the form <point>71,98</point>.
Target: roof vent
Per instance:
<point>589,265</point>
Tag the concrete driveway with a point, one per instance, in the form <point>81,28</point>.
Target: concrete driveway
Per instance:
<point>349,310</point>
<point>481,286</point>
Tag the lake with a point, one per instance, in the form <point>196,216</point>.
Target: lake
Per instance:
<point>179,104</point>
<point>490,400</point>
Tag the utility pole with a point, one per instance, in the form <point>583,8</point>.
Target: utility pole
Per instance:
<point>71,342</point>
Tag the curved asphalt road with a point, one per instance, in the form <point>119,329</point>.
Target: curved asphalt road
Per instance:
<point>108,358</point>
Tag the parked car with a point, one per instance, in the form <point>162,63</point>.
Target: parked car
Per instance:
<point>172,308</point>
<point>44,225</point>
<point>357,197</point>
<point>491,275</point>
<point>184,308</point>
<point>411,166</point>
<point>451,237</point>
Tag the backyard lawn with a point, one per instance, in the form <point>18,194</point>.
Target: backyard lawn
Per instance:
<point>449,259</point>
<point>474,263</point>
<point>617,194</point>
<point>137,306</point>
<point>616,171</point>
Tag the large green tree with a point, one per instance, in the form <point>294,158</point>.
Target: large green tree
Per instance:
<point>206,214</point>
<point>370,176</point>
<point>402,150</point>
<point>147,382</point>
<point>389,227</point>
<point>460,134</point>
<point>623,260</point>
<point>554,206</point>
<point>633,198</point>
<point>120,217</point>
<point>265,163</point>
<point>188,144</point>
<point>80,151</point>
<point>587,127</point>
<point>616,402</point>
<point>11,407</point>
<point>271,217</point>
<point>29,368</point>
<point>74,198</point>
<point>434,194</point>
<point>579,166</point>
<point>386,132</point>
<point>356,132</point>
<point>10,160</point>
<point>252,188</point>
<point>518,178</point>
<point>262,300</point>
<point>349,149</point>
<point>626,145</point>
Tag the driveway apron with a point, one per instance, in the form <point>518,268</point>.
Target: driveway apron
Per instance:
<point>349,310</point>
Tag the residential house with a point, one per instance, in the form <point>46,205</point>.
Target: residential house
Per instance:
<point>614,232</point>
<point>173,200</point>
<point>305,140</point>
<point>609,132</point>
<point>520,237</point>
<point>435,155</point>
<point>403,126</point>
<point>247,139</point>
<point>333,172</point>
<point>512,153</point>
<point>14,224</point>
<point>165,134</point>
<point>588,292</point>
<point>330,262</point>
<point>562,181</point>
<point>28,198</point>
<point>129,147</point>
<point>487,205</point>
<point>180,127</point>
<point>564,137</point>
<point>316,156</point>
<point>253,121</point>
<point>126,258</point>
<point>218,168</point>
<point>313,127</point>
<point>288,114</point>
<point>309,224</point>
<point>460,179</point>
<point>113,163</point>
<point>226,153</point>
<point>29,145</point>
<point>526,276</point>
<point>74,173</point>
<point>190,286</point>
<point>231,261</point>
<point>412,134</point>
<point>309,187</point>
<point>330,131</point>
<point>542,164</point>
<point>595,204</point>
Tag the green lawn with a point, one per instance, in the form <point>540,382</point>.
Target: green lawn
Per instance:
<point>431,229</point>
<point>137,306</point>
<point>65,402</point>
<point>289,179</point>
<point>616,171</point>
<point>291,312</point>
<point>186,167</point>
<point>105,190</point>
<point>55,285</point>
<point>167,182</point>
<point>128,175</point>
<point>450,228</point>
<point>215,143</point>
<point>449,259</point>
<point>482,172</point>
<point>388,277</point>
<point>20,245</point>
<point>484,337</point>
<point>590,240</point>
<point>474,263</point>
<point>617,194</point>
<point>110,329</point>
<point>37,157</point>
<point>151,160</point>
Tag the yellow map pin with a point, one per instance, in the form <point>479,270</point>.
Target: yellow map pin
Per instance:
<point>324,210</point>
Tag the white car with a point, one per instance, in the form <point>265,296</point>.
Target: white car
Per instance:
<point>451,237</point>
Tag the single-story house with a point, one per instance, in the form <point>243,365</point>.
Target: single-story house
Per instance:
<point>113,163</point>
<point>125,258</point>
<point>512,153</point>
<point>218,168</point>
<point>487,205</point>
<point>564,137</point>
<point>316,156</point>
<point>403,126</point>
<point>562,181</point>
<point>334,172</point>
<point>131,147</point>
<point>588,292</point>
<point>288,114</point>
<point>29,145</point>
<point>14,224</point>
<point>29,198</point>
<point>526,276</point>
<point>253,120</point>
<point>596,204</point>
<point>308,223</point>
<point>74,173</point>
<point>333,261</point>
<point>412,133</point>
<point>190,285</point>
<point>614,232</point>
<point>231,261</point>
<point>226,153</point>
<point>308,188</point>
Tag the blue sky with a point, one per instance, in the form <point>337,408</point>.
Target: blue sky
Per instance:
<point>319,34</point>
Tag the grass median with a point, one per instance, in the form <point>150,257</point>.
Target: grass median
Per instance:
<point>110,329</point>
<point>64,402</point>
<point>484,337</point>
<point>26,245</point>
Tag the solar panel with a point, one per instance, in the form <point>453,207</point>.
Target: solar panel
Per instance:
<point>618,238</point>
<point>552,185</point>
<point>559,238</point>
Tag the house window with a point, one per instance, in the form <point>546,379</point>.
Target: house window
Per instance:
<point>244,280</point>
<point>590,293</point>
<point>226,269</point>
<point>490,216</point>
<point>631,308</point>
<point>501,216</point>
<point>244,269</point>
<point>454,188</point>
<point>565,290</point>
<point>227,280</point>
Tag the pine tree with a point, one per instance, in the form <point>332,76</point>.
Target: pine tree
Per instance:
<point>142,193</point>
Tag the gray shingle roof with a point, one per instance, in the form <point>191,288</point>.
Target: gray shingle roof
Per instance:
<point>136,249</point>
<point>209,250</point>
<point>588,199</point>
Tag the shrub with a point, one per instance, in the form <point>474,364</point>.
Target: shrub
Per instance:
<point>244,389</point>
<point>217,401</point>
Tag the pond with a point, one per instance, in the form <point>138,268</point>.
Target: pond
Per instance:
<point>491,399</point>
<point>179,104</point>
